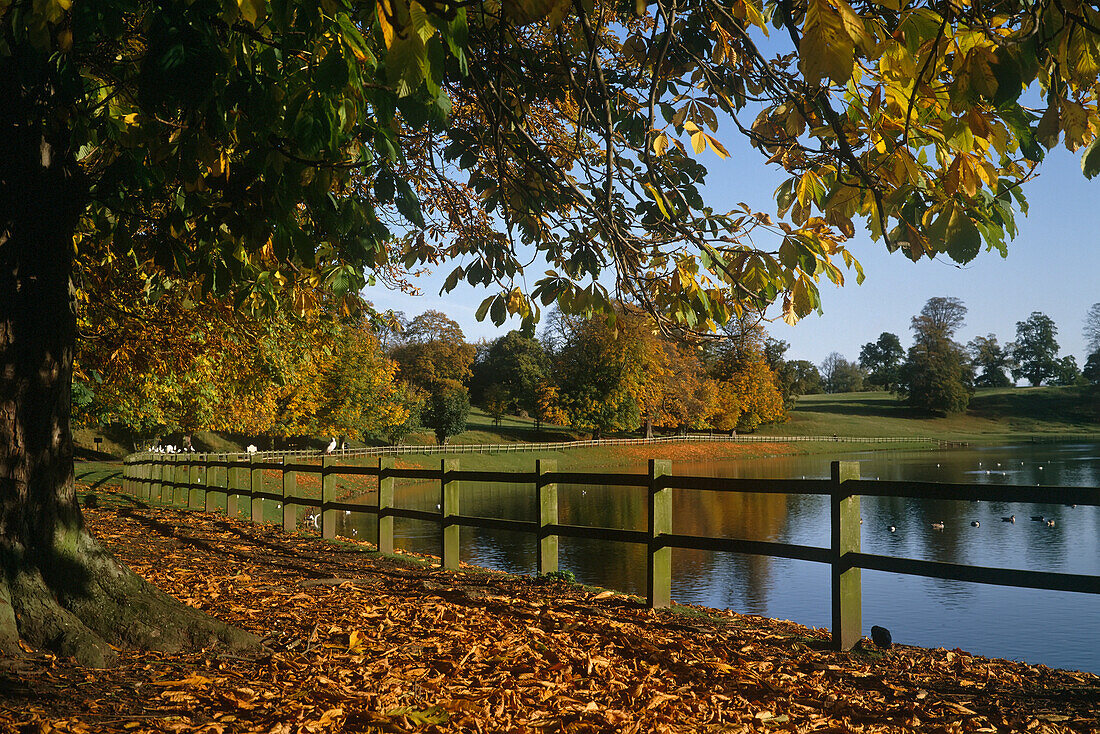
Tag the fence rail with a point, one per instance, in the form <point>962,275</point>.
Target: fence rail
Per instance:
<point>510,448</point>
<point>220,483</point>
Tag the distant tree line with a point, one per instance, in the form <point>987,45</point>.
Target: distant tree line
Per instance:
<point>938,375</point>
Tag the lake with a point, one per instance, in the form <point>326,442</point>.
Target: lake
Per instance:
<point>1059,629</point>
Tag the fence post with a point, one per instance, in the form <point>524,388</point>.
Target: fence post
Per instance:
<point>846,588</point>
<point>546,555</point>
<point>179,470</point>
<point>155,478</point>
<point>659,558</point>
<point>328,487</point>
<point>233,485</point>
<point>147,479</point>
<point>209,477</point>
<point>290,500</point>
<point>448,504</point>
<point>385,502</point>
<point>256,488</point>
<point>193,482</point>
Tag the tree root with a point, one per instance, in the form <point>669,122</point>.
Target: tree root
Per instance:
<point>80,602</point>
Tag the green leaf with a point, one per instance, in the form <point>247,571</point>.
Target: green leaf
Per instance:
<point>484,308</point>
<point>498,311</point>
<point>961,238</point>
<point>1090,159</point>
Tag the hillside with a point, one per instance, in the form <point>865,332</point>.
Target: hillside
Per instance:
<point>994,414</point>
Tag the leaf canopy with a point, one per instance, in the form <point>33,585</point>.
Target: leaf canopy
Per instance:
<point>261,147</point>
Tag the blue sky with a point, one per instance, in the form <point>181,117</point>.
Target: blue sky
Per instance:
<point>1053,266</point>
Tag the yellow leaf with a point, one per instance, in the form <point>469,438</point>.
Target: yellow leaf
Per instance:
<point>388,31</point>
<point>251,10</point>
<point>1075,121</point>
<point>853,25</point>
<point>660,144</point>
<point>826,50</point>
<point>698,141</point>
<point>717,147</point>
<point>977,74</point>
<point>789,316</point>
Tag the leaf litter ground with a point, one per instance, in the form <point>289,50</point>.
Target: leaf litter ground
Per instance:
<point>357,642</point>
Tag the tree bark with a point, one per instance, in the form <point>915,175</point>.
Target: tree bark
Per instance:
<point>59,588</point>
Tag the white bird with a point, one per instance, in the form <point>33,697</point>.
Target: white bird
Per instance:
<point>251,448</point>
<point>331,447</point>
<point>937,526</point>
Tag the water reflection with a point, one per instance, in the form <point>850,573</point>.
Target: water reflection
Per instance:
<point>1038,626</point>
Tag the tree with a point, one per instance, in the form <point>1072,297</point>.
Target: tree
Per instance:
<point>882,360</point>
<point>446,412</point>
<point>598,369</point>
<point>517,363</point>
<point>840,375</point>
<point>993,361</point>
<point>748,398</point>
<point>934,378</point>
<point>806,378</point>
<point>496,402</point>
<point>360,393</point>
<point>1091,372</point>
<point>1092,329</point>
<point>254,147</point>
<point>1035,350</point>
<point>1066,371</point>
<point>434,352</point>
<point>940,318</point>
<point>937,377</point>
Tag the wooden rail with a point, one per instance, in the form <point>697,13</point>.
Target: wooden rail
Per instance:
<point>220,483</point>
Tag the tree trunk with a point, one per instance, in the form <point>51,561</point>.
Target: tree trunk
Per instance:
<point>59,588</point>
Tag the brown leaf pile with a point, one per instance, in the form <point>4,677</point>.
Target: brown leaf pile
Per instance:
<point>360,643</point>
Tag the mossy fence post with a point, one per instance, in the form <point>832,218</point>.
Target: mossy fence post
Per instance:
<point>210,482</point>
<point>256,487</point>
<point>547,493</point>
<point>235,486</point>
<point>659,556</point>
<point>385,504</point>
<point>845,538</point>
<point>196,468</point>
<point>448,505</point>
<point>328,496</point>
<point>290,498</point>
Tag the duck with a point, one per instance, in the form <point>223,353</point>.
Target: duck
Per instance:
<point>331,447</point>
<point>975,524</point>
<point>1038,518</point>
<point>937,526</point>
<point>1050,523</point>
<point>892,529</point>
<point>1010,518</point>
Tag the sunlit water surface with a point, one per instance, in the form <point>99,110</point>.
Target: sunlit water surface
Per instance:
<point>1060,629</point>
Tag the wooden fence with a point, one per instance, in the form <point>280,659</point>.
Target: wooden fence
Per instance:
<point>221,482</point>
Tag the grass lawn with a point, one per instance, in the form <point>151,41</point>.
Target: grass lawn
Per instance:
<point>995,414</point>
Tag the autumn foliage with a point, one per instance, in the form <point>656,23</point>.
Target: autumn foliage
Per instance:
<point>180,361</point>
<point>358,643</point>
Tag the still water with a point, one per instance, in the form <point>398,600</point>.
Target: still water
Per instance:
<point>1060,629</point>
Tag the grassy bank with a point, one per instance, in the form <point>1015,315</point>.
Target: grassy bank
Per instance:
<point>995,414</point>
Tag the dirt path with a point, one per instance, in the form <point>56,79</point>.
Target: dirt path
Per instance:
<point>360,643</point>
